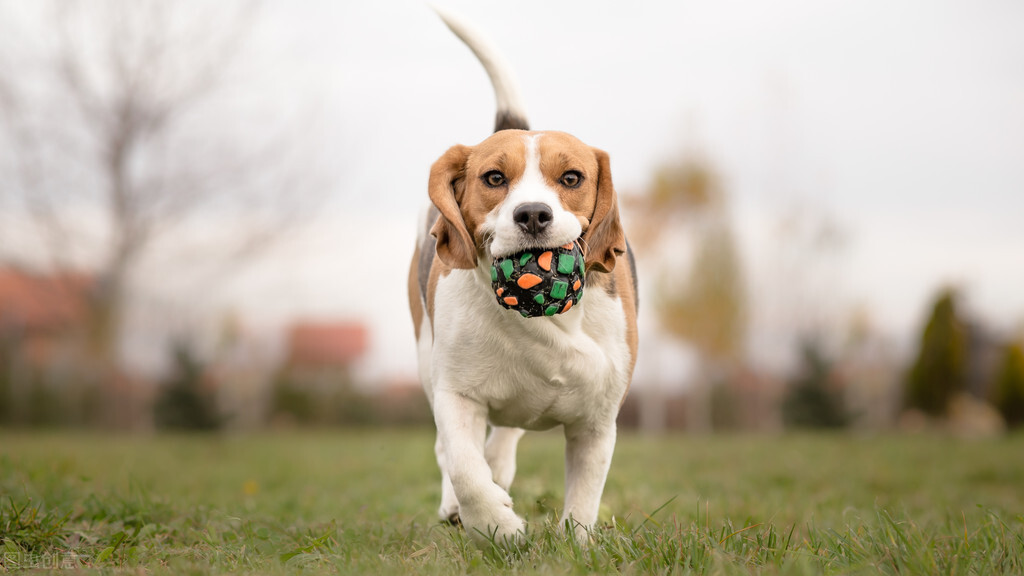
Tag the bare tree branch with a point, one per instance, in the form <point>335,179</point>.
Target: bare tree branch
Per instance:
<point>122,130</point>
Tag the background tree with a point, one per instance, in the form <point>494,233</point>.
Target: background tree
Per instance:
<point>708,308</point>
<point>940,369</point>
<point>1008,394</point>
<point>128,135</point>
<point>703,303</point>
<point>680,192</point>
<point>186,401</point>
<point>7,369</point>
<point>812,400</point>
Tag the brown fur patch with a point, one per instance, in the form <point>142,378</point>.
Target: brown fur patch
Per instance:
<point>559,152</point>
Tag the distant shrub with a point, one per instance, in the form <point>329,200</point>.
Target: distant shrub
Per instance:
<point>330,398</point>
<point>290,403</point>
<point>185,400</point>
<point>812,400</point>
<point>6,384</point>
<point>44,406</point>
<point>1008,389</point>
<point>724,407</point>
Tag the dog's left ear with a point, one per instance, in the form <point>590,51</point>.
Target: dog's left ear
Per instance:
<point>604,240</point>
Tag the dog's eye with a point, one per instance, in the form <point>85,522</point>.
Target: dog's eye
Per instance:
<point>571,179</point>
<point>494,179</point>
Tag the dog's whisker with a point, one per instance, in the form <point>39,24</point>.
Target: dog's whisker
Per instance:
<point>584,247</point>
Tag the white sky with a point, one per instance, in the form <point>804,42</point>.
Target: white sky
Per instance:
<point>901,122</point>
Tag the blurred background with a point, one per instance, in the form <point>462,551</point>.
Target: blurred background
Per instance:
<point>207,209</point>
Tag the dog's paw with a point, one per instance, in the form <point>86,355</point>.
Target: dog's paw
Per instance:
<point>575,530</point>
<point>449,512</point>
<point>506,531</point>
<point>495,523</point>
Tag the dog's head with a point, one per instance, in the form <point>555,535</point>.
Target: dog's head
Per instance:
<point>519,190</point>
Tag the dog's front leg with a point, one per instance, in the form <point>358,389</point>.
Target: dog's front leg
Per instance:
<point>484,507</point>
<point>588,455</point>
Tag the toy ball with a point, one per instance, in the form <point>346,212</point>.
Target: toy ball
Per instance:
<point>540,281</point>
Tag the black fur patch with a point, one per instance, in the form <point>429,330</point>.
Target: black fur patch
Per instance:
<point>505,120</point>
<point>428,246</point>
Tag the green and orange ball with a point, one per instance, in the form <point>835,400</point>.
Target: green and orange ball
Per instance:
<point>540,282</point>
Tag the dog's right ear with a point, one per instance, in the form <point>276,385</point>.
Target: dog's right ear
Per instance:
<point>446,187</point>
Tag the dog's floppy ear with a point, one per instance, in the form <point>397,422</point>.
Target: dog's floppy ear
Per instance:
<point>447,184</point>
<point>604,240</point>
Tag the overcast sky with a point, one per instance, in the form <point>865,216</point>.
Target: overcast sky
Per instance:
<point>900,123</point>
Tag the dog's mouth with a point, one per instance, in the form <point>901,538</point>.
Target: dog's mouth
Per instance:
<point>530,245</point>
<point>502,235</point>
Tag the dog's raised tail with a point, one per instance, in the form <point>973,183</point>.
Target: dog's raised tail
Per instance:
<point>511,113</point>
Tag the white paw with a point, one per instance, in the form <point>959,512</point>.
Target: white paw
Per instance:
<point>449,510</point>
<point>493,520</point>
<point>579,532</point>
<point>450,514</point>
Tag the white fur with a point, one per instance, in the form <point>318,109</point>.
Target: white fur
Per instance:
<point>507,236</point>
<point>488,364</point>
<point>481,364</point>
<point>506,89</point>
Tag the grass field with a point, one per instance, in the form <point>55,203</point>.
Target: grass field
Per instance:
<point>363,503</point>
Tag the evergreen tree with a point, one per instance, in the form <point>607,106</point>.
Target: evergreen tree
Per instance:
<point>6,382</point>
<point>1009,386</point>
<point>184,403</point>
<point>811,401</point>
<point>940,369</point>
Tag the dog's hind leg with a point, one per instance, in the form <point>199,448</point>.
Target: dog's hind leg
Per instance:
<point>449,510</point>
<point>501,454</point>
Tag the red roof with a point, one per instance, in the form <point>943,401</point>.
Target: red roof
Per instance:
<point>326,344</point>
<point>35,302</point>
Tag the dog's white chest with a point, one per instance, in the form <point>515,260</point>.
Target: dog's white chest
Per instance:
<point>531,373</point>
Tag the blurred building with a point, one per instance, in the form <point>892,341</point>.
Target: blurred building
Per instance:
<point>316,347</point>
<point>41,316</point>
<point>43,332</point>
<point>316,382</point>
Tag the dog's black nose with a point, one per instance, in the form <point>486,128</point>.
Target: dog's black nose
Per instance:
<point>533,217</point>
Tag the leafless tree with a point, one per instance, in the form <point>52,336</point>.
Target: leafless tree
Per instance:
<point>123,128</point>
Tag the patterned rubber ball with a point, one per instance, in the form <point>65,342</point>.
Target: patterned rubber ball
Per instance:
<point>541,281</point>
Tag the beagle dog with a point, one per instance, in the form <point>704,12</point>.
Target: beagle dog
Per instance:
<point>482,365</point>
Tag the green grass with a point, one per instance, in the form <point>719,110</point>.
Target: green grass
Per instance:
<point>363,503</point>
